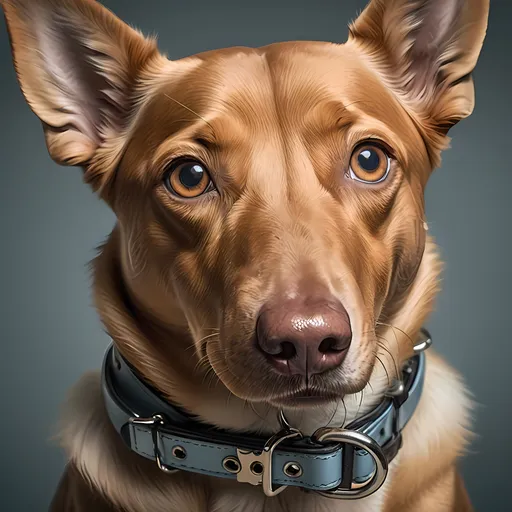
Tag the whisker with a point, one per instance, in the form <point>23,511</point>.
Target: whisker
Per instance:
<point>264,419</point>
<point>385,369</point>
<point>360,403</point>
<point>334,413</point>
<point>383,347</point>
<point>214,357</point>
<point>192,347</point>
<point>398,329</point>
<point>189,109</point>
<point>207,337</point>
<point>345,414</point>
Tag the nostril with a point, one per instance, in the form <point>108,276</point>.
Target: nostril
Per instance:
<point>327,345</point>
<point>332,345</point>
<point>288,351</point>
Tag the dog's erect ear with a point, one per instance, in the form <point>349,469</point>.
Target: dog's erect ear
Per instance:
<point>76,64</point>
<point>426,51</point>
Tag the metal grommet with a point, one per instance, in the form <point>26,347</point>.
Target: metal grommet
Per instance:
<point>179,452</point>
<point>257,468</point>
<point>292,469</point>
<point>232,465</point>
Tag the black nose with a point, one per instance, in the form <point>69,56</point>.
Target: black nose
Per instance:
<point>304,336</point>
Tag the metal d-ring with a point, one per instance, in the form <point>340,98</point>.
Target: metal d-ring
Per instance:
<point>283,421</point>
<point>153,422</point>
<point>266,456</point>
<point>359,440</point>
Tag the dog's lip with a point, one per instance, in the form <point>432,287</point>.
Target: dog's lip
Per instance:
<point>304,397</point>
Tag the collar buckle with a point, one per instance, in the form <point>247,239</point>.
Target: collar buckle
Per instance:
<point>153,422</point>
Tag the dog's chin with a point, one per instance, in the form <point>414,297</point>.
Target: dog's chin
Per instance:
<point>292,394</point>
<point>304,400</point>
<point>316,396</point>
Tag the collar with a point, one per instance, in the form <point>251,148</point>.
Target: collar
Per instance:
<point>347,463</point>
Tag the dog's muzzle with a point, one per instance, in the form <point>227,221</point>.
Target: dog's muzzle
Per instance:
<point>344,463</point>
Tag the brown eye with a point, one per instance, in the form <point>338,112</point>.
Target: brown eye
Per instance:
<point>188,179</point>
<point>369,163</point>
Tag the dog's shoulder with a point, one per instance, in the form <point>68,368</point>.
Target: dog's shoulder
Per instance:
<point>99,460</point>
<point>437,434</point>
<point>442,420</point>
<point>74,494</point>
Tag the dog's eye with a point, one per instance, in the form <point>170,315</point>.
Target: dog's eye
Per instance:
<point>188,179</point>
<point>369,163</point>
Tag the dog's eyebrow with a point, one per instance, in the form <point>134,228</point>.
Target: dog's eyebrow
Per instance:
<point>331,112</point>
<point>189,109</point>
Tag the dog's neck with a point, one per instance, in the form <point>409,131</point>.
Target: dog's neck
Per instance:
<point>164,353</point>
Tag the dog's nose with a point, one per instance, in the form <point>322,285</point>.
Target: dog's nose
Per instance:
<point>304,337</point>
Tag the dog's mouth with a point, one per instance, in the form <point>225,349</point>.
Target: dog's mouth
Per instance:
<point>305,398</point>
<point>258,383</point>
<point>248,375</point>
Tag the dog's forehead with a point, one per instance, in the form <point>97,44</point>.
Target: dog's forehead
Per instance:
<point>263,98</point>
<point>271,83</point>
<point>279,82</point>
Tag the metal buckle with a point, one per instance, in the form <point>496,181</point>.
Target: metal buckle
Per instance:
<point>355,439</point>
<point>153,422</point>
<point>256,467</point>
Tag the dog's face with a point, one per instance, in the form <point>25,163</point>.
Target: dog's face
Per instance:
<point>269,200</point>
<point>279,212</point>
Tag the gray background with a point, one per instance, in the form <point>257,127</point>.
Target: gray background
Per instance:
<point>50,224</point>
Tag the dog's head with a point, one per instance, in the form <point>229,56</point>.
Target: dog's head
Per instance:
<point>269,201</point>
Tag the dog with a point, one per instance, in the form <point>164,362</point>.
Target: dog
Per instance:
<point>270,270</point>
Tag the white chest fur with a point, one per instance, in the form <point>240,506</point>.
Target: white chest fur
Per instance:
<point>240,500</point>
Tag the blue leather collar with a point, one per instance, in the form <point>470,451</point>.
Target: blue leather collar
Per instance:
<point>342,463</point>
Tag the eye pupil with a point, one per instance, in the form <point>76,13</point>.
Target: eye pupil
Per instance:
<point>369,163</point>
<point>368,160</point>
<point>188,179</point>
<point>191,175</point>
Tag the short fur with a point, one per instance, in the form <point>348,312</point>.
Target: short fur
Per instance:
<point>179,283</point>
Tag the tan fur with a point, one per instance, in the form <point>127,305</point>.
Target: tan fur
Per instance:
<point>179,283</point>
<point>134,483</point>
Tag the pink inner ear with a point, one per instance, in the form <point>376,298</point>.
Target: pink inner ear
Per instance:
<point>437,19</point>
<point>432,26</point>
<point>75,87</point>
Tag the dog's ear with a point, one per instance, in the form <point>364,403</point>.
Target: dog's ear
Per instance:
<point>77,65</point>
<point>426,51</point>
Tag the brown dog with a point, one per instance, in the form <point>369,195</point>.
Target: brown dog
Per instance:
<point>271,249</point>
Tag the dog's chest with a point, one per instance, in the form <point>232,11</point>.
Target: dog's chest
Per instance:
<point>225,504</point>
<point>242,499</point>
